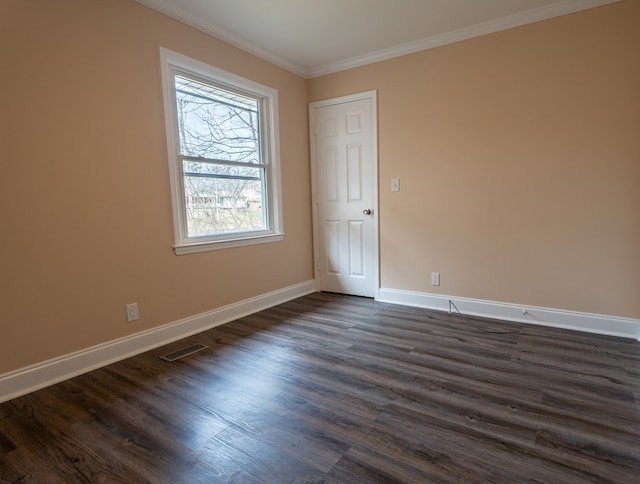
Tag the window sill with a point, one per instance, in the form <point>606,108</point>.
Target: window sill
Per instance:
<point>226,244</point>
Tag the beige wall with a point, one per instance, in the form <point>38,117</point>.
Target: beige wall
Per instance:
<point>519,160</point>
<point>84,187</point>
<point>518,154</point>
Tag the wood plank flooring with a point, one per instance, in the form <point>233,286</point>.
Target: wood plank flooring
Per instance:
<point>338,389</point>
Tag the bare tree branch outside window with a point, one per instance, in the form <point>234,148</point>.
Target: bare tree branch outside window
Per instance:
<point>223,172</point>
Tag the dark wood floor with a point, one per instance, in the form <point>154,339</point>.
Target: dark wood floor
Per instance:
<point>339,389</point>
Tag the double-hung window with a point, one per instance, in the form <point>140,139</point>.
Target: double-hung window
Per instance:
<point>222,141</point>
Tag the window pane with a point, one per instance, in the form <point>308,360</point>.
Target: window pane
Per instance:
<point>216,204</point>
<point>216,124</point>
<point>197,168</point>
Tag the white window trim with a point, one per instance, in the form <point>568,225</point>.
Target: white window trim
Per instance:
<point>170,62</point>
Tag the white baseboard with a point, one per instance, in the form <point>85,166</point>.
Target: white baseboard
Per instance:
<point>40,375</point>
<point>557,318</point>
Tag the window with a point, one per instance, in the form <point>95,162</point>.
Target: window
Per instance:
<point>222,142</point>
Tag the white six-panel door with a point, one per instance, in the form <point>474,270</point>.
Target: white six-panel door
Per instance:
<point>344,159</point>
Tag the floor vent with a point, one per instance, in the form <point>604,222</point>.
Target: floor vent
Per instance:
<point>189,350</point>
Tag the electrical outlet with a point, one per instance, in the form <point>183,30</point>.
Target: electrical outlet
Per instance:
<point>435,278</point>
<point>132,312</point>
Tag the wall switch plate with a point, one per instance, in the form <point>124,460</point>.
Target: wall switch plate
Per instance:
<point>395,184</point>
<point>132,312</point>
<point>435,278</point>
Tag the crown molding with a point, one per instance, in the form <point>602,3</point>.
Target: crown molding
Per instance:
<point>504,23</point>
<point>510,21</point>
<point>198,23</point>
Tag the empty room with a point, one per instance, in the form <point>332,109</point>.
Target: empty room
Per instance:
<point>334,241</point>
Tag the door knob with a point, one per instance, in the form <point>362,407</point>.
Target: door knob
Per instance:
<point>367,211</point>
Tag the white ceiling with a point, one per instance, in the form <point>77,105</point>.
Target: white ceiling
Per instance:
<point>316,37</point>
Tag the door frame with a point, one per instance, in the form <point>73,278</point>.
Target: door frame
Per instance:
<point>373,97</point>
